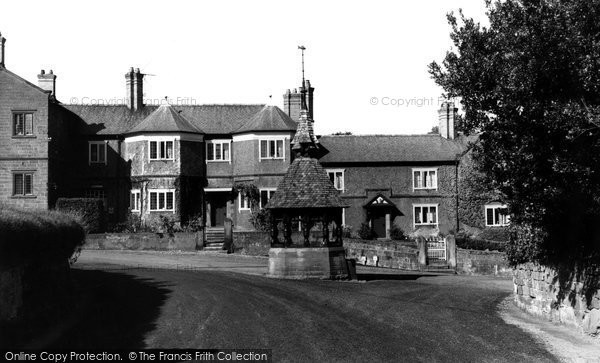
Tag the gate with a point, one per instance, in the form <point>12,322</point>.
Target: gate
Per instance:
<point>436,249</point>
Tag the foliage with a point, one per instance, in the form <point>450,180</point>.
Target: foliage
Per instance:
<point>346,231</point>
<point>530,85</point>
<point>88,212</point>
<point>194,224</point>
<point>366,232</point>
<point>397,234</point>
<point>342,133</point>
<point>434,130</point>
<point>261,219</point>
<point>480,244</point>
<point>250,191</point>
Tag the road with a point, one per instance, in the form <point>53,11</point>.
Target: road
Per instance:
<point>385,317</point>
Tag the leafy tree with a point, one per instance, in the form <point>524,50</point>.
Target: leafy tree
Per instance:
<point>529,83</point>
<point>342,133</point>
<point>434,130</point>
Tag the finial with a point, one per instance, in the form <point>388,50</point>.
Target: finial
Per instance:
<point>303,104</point>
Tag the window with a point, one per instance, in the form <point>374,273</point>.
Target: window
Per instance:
<point>244,202</point>
<point>425,214</point>
<point>23,124</point>
<point>97,152</point>
<point>337,178</point>
<point>424,178</point>
<point>218,150</point>
<point>134,202</point>
<point>496,215</point>
<point>265,196</point>
<point>272,149</point>
<point>23,183</point>
<point>161,150</point>
<point>162,200</point>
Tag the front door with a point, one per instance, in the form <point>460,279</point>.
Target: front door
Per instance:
<point>217,206</point>
<point>379,224</point>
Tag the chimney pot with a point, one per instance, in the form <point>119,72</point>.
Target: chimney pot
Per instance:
<point>134,83</point>
<point>42,72</point>
<point>47,82</point>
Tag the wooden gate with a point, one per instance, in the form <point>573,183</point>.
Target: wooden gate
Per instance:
<point>436,249</point>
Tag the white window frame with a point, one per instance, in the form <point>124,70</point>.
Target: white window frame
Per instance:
<point>160,191</point>
<point>25,132</point>
<point>158,143</point>
<point>269,191</point>
<point>137,200</point>
<point>212,144</point>
<point>268,140</point>
<point>426,205</point>
<point>99,144</point>
<point>245,205</point>
<point>24,174</point>
<point>334,171</point>
<point>495,223</point>
<point>422,172</point>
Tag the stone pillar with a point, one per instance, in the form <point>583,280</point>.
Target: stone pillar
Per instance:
<point>388,225</point>
<point>338,229</point>
<point>274,232</point>
<point>306,225</point>
<point>208,221</point>
<point>325,222</point>
<point>228,236</point>
<point>287,230</point>
<point>451,251</point>
<point>422,252</point>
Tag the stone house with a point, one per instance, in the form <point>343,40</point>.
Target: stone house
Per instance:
<point>185,161</point>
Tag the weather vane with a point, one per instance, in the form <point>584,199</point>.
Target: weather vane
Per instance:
<point>302,48</point>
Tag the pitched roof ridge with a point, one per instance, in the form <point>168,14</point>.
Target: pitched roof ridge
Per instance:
<point>382,135</point>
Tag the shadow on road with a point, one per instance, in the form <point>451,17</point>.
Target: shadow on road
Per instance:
<point>106,309</point>
<point>375,276</point>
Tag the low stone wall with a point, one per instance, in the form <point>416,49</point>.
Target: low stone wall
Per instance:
<point>390,254</point>
<point>308,263</point>
<point>472,262</point>
<point>256,243</point>
<point>537,290</point>
<point>181,241</point>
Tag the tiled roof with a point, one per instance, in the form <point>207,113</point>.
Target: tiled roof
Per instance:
<point>306,185</point>
<point>390,148</point>
<point>165,119</point>
<point>115,120</point>
<point>270,118</point>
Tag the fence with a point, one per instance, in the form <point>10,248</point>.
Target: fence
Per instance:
<point>436,249</point>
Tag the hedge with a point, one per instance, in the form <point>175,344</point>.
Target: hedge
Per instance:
<point>88,211</point>
<point>479,244</point>
<point>34,234</point>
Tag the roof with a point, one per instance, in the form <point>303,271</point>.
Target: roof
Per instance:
<point>390,148</point>
<point>16,76</point>
<point>165,119</point>
<point>306,185</point>
<point>270,118</point>
<point>118,119</point>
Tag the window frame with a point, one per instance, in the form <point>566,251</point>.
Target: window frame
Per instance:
<point>136,194</point>
<point>422,172</point>
<point>159,148</point>
<point>426,205</point>
<point>246,203</point>
<point>270,192</point>
<point>268,140</point>
<point>24,194</point>
<point>16,113</point>
<point>160,191</point>
<point>334,171</point>
<point>97,143</point>
<point>494,207</point>
<point>213,145</point>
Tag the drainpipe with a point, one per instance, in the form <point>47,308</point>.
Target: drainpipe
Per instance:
<point>457,198</point>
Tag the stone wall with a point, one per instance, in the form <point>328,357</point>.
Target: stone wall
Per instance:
<point>144,241</point>
<point>400,255</point>
<point>472,262</point>
<point>537,291</point>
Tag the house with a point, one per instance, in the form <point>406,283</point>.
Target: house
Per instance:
<point>185,161</point>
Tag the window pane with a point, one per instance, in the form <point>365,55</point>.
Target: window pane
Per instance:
<point>18,184</point>
<point>264,198</point>
<point>263,148</point>
<point>489,216</point>
<point>153,151</point>
<point>169,200</point>
<point>226,151</point>
<point>272,148</point>
<point>417,215</point>
<point>132,201</point>
<point>101,153</point>
<point>161,201</point>
<point>332,177</point>
<point>279,148</point>
<point>93,153</point>
<point>28,184</point>
<point>218,152</point>
<point>169,149</point>
<point>210,151</point>
<point>416,179</point>
<point>433,179</point>
<point>29,124</point>
<point>163,153</point>
<point>433,212</point>
<point>153,201</point>
<point>19,124</point>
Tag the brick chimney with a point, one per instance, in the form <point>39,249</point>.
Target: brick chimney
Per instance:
<point>2,54</point>
<point>292,101</point>
<point>134,82</point>
<point>446,118</point>
<point>47,81</point>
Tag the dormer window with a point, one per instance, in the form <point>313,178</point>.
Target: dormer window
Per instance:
<point>272,149</point>
<point>161,150</point>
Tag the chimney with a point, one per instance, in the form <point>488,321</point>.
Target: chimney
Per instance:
<point>2,42</point>
<point>47,82</point>
<point>446,118</point>
<point>292,101</point>
<point>134,82</point>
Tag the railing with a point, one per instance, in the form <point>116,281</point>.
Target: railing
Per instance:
<point>436,249</point>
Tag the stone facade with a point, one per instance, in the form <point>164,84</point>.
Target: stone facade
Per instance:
<point>537,290</point>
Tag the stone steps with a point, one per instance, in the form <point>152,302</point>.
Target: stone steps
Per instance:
<point>213,240</point>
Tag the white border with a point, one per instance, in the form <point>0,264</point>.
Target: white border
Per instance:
<point>437,214</point>
<point>422,170</point>
<point>161,191</point>
<point>343,171</point>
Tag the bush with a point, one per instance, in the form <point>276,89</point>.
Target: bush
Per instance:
<point>261,219</point>
<point>194,224</point>
<point>88,212</point>
<point>397,234</point>
<point>479,244</point>
<point>346,231</point>
<point>365,232</point>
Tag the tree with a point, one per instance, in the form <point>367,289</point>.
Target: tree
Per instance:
<point>529,84</point>
<point>434,130</point>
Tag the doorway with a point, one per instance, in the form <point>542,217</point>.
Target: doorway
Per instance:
<point>216,208</point>
<point>379,224</point>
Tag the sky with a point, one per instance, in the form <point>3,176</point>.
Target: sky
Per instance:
<point>367,60</point>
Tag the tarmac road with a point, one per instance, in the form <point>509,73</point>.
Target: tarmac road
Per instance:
<point>389,317</point>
